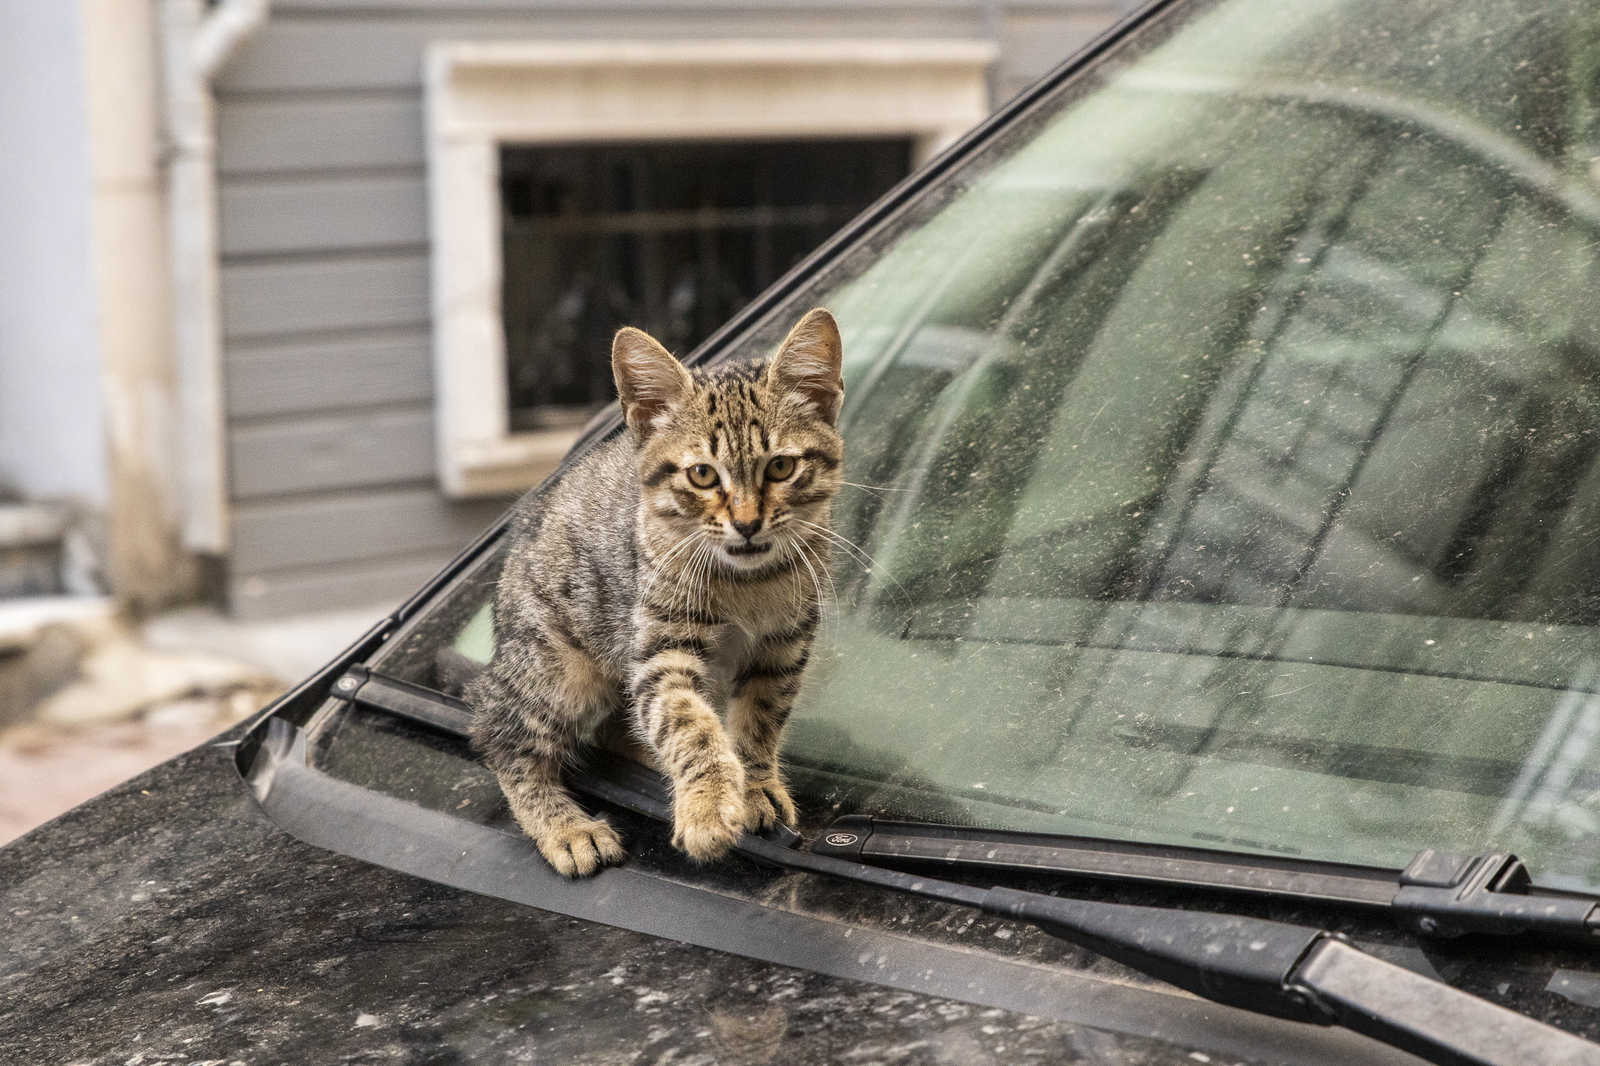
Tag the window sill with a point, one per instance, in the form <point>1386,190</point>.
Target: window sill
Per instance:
<point>510,464</point>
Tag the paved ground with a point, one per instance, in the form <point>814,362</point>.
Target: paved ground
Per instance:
<point>45,771</point>
<point>139,698</point>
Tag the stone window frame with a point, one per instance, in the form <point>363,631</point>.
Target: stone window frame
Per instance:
<point>480,95</point>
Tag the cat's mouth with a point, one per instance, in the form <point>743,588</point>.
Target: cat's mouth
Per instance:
<point>746,555</point>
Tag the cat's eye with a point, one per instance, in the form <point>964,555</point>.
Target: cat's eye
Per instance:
<point>702,475</point>
<point>780,467</point>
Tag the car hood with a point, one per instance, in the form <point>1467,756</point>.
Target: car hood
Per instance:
<point>170,920</point>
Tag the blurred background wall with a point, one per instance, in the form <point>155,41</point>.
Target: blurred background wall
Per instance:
<point>297,295</point>
<point>52,442</point>
<point>237,359</point>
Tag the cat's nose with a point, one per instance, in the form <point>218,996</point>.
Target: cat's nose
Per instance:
<point>748,529</point>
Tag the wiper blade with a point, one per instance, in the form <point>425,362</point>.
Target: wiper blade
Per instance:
<point>884,842</point>
<point>1439,894</point>
<point>1286,971</point>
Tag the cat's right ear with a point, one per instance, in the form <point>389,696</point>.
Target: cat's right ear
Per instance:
<point>650,382</point>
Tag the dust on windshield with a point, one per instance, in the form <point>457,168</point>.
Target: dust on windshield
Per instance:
<point>1224,446</point>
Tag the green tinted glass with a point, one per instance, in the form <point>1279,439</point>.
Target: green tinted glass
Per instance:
<point>1223,447</point>
<point>1226,455</point>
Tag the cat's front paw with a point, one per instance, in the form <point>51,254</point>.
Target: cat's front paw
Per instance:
<point>580,848</point>
<point>767,804</point>
<point>708,815</point>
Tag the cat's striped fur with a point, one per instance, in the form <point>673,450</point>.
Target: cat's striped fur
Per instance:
<point>676,569</point>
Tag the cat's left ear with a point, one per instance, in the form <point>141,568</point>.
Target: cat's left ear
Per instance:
<point>810,364</point>
<point>650,382</point>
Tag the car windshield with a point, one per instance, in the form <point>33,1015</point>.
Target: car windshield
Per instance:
<point>1222,439</point>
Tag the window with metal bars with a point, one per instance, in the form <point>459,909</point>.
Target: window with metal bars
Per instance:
<point>671,237</point>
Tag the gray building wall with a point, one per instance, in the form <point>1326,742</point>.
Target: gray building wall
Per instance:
<point>325,258</point>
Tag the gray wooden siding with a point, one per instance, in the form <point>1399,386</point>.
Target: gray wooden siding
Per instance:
<point>1034,41</point>
<point>325,279</point>
<point>350,549</point>
<point>383,583</point>
<point>334,452</point>
<point>314,377</point>
<point>314,296</point>
<point>297,135</point>
<point>273,216</point>
<point>343,528</point>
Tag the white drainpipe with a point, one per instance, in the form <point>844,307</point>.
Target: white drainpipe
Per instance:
<point>195,45</point>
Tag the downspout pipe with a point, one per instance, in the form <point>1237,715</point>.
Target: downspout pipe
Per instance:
<point>196,43</point>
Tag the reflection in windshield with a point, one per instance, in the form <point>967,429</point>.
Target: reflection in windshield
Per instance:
<point>1224,442</point>
<point>1558,770</point>
<point>1230,455</point>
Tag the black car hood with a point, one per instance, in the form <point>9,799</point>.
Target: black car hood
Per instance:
<point>170,921</point>
<point>173,920</point>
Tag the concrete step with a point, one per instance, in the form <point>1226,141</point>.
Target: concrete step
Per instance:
<point>32,549</point>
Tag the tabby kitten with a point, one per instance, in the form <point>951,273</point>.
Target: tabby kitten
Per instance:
<point>675,569</point>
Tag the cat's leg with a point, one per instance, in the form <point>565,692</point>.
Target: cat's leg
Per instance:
<point>764,692</point>
<point>528,714</point>
<point>670,696</point>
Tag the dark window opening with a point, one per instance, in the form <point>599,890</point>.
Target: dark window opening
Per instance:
<point>672,238</point>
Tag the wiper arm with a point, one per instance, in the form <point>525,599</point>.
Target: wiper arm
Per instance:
<point>1286,971</point>
<point>1438,894</point>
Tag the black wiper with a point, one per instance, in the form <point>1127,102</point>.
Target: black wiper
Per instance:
<point>1273,968</point>
<point>1438,894</point>
<point>1286,971</point>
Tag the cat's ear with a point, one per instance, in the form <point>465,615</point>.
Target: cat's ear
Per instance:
<point>809,364</point>
<point>650,382</point>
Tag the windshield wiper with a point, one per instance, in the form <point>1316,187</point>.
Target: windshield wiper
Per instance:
<point>1439,894</point>
<point>1273,968</point>
<point>1286,971</point>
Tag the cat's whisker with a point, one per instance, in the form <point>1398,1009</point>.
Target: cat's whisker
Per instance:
<point>702,578</point>
<point>873,489</point>
<point>827,575</point>
<point>833,592</point>
<point>825,529</point>
<point>661,564</point>
<point>655,571</point>
<point>852,547</point>
<point>880,488</point>
<point>801,547</point>
<point>694,581</point>
<point>695,539</point>
<point>794,548</point>
<point>844,542</point>
<point>870,492</point>
<point>801,539</point>
<point>686,581</point>
<point>856,550</point>
<point>694,592</point>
